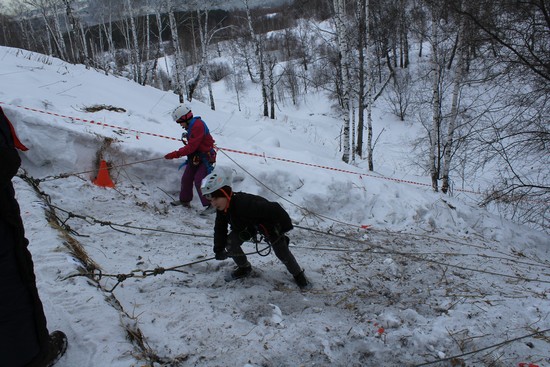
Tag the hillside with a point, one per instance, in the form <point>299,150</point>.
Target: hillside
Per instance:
<point>433,278</point>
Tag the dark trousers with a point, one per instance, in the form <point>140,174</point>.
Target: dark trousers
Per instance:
<point>279,244</point>
<point>23,331</point>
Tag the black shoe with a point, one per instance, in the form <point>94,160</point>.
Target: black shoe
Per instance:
<point>301,280</point>
<point>241,272</point>
<point>57,345</point>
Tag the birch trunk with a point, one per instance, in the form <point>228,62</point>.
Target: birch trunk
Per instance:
<point>370,81</point>
<point>362,46</point>
<point>162,50</point>
<point>161,44</point>
<point>59,34</point>
<point>457,84</point>
<point>180,87</point>
<point>339,20</point>
<point>107,26</point>
<point>76,34</point>
<point>54,31</point>
<point>148,65</point>
<point>436,105</point>
<point>205,65</point>
<point>258,49</point>
<point>136,59</point>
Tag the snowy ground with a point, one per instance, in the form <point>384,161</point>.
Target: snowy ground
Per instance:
<point>434,277</point>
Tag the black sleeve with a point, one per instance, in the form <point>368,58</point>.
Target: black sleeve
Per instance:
<point>220,231</point>
<point>9,164</point>
<point>9,158</point>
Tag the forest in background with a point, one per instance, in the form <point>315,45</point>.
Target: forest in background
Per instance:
<point>474,74</point>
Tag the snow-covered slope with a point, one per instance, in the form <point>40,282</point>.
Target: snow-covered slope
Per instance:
<point>433,277</point>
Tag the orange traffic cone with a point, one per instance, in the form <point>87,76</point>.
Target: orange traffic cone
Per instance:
<point>103,178</point>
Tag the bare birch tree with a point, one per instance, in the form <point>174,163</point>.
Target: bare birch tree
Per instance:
<point>369,79</point>
<point>236,78</point>
<point>49,11</point>
<point>434,133</point>
<point>134,44</point>
<point>159,8</point>
<point>205,35</point>
<point>362,46</point>
<point>259,53</point>
<point>29,37</point>
<point>204,59</point>
<point>103,12</point>
<point>345,66</point>
<point>180,74</point>
<point>460,70</point>
<point>516,136</point>
<point>79,45</point>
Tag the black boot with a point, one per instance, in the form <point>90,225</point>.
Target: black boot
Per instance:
<point>57,345</point>
<point>241,272</point>
<point>301,280</point>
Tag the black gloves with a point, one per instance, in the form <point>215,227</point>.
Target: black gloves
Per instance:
<point>221,255</point>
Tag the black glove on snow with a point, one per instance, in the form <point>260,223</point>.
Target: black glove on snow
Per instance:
<point>221,255</point>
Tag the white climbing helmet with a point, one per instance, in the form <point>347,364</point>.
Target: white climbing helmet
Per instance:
<point>219,178</point>
<point>180,111</point>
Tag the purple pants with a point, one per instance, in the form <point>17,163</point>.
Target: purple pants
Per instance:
<point>192,175</point>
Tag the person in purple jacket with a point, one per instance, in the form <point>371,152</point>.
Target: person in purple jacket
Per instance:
<point>201,156</point>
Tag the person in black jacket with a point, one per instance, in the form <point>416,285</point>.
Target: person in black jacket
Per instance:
<point>246,215</point>
<point>24,337</point>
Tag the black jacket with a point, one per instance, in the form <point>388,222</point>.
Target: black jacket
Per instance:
<point>246,213</point>
<point>9,164</point>
<point>17,258</point>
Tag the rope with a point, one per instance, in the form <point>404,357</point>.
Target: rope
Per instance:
<point>414,256</point>
<point>257,241</point>
<point>103,124</point>
<point>364,226</point>
<point>140,274</point>
<point>408,255</point>
<point>112,225</point>
<point>120,278</point>
<point>307,211</point>
<point>161,270</point>
<point>347,250</point>
<point>483,349</point>
<point>66,175</point>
